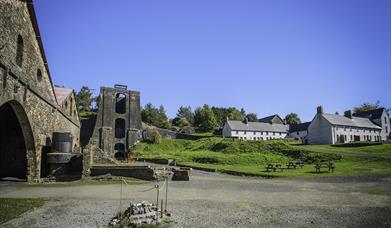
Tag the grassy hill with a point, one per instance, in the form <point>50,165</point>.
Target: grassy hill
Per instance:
<point>250,157</point>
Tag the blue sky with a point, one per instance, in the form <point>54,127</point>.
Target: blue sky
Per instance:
<point>267,56</point>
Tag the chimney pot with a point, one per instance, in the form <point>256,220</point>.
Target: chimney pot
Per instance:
<point>348,114</point>
<point>319,109</point>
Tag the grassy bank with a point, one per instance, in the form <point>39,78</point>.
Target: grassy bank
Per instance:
<point>368,148</point>
<point>13,208</point>
<point>251,157</point>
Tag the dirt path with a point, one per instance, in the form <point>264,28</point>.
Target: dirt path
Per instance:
<point>216,200</point>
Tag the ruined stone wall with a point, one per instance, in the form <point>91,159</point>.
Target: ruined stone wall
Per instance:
<point>30,94</point>
<point>107,135</point>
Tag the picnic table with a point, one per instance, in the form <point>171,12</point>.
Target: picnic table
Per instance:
<point>274,167</point>
<point>327,165</point>
<point>295,164</point>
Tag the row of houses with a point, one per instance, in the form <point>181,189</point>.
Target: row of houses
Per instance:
<point>325,128</point>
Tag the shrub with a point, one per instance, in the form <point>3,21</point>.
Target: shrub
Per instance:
<point>156,138</point>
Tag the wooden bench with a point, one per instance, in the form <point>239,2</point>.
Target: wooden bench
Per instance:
<point>295,164</point>
<point>328,165</point>
<point>273,167</point>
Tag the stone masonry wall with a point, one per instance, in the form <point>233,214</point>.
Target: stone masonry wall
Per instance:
<point>31,97</point>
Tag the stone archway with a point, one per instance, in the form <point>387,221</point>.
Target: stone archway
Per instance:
<point>16,142</point>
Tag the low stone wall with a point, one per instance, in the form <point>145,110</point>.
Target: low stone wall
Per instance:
<point>167,134</point>
<point>139,172</point>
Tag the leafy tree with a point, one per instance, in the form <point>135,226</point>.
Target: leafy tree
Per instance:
<point>184,114</point>
<point>183,122</point>
<point>252,117</point>
<point>222,114</point>
<point>204,119</point>
<point>367,106</point>
<point>292,118</point>
<point>155,116</point>
<point>84,99</point>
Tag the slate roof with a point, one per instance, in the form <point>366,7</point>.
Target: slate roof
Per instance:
<point>268,119</point>
<point>256,126</point>
<point>371,114</point>
<point>62,94</point>
<point>299,127</point>
<point>354,122</point>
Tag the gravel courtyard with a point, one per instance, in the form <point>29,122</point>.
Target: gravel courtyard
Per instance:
<point>216,200</point>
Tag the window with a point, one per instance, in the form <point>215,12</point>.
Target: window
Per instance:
<point>237,132</point>
<point>351,137</point>
<point>274,133</point>
<point>39,75</point>
<point>280,133</point>
<point>119,128</point>
<point>351,128</point>
<point>267,133</point>
<point>344,128</point>
<point>245,132</point>
<point>254,133</point>
<point>297,133</point>
<point>385,119</point>
<point>19,51</point>
<point>119,151</point>
<point>120,103</point>
<point>386,129</point>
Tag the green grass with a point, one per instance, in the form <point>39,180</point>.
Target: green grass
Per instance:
<point>12,208</point>
<point>251,157</point>
<point>82,182</point>
<point>384,149</point>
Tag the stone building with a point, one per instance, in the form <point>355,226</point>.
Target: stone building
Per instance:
<point>254,130</point>
<point>118,122</point>
<point>328,128</point>
<point>29,109</point>
<point>273,119</point>
<point>379,117</point>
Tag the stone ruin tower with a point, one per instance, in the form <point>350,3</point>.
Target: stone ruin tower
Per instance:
<point>118,122</point>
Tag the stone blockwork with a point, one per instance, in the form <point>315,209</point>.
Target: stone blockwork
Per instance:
<point>118,122</point>
<point>26,85</point>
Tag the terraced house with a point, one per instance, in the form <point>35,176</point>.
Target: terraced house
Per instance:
<point>254,130</point>
<point>332,129</point>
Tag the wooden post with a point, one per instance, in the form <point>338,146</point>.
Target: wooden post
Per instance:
<point>157,204</point>
<point>166,193</point>
<point>161,209</point>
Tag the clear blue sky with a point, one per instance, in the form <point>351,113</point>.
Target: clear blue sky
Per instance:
<point>267,56</point>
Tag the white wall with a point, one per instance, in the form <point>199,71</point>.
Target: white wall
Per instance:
<point>364,134</point>
<point>319,131</point>
<point>254,135</point>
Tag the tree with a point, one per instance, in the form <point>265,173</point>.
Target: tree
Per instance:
<point>204,119</point>
<point>367,106</point>
<point>155,116</point>
<point>292,118</point>
<point>84,99</point>
<point>183,122</point>
<point>184,114</point>
<point>252,117</point>
<point>231,113</point>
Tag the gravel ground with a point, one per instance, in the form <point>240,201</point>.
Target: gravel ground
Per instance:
<point>216,200</point>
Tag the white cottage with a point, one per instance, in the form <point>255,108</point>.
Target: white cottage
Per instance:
<point>254,130</point>
<point>331,129</point>
<point>380,118</point>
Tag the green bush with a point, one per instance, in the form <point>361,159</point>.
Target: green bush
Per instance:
<point>156,138</point>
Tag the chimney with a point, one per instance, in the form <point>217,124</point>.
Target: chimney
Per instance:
<point>348,114</point>
<point>245,120</point>
<point>319,110</point>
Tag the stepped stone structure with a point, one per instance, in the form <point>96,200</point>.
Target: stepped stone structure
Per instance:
<point>29,109</point>
<point>118,122</point>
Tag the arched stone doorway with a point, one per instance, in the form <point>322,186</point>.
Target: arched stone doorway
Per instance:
<point>16,141</point>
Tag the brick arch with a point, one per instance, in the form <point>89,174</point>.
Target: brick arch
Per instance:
<point>20,139</point>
